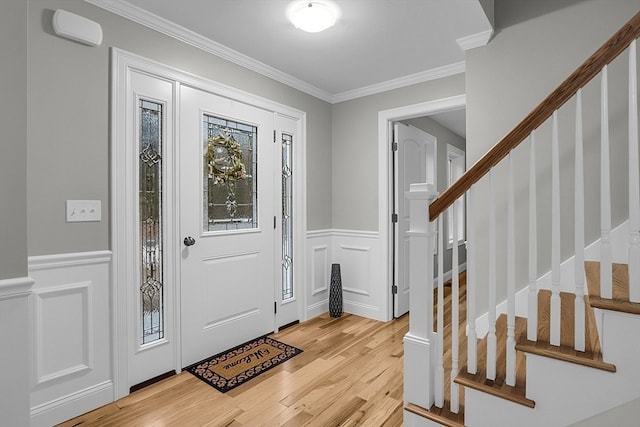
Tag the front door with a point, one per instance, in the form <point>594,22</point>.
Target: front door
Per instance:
<point>414,162</point>
<point>227,220</point>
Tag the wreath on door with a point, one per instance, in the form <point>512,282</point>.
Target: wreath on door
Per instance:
<point>225,165</point>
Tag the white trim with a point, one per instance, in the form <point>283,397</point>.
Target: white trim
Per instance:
<point>315,289</point>
<point>168,28</point>
<point>355,233</point>
<point>16,287</point>
<point>87,363</point>
<point>173,30</point>
<point>318,308</point>
<point>421,77</point>
<point>65,407</point>
<point>475,40</point>
<point>385,183</point>
<point>46,262</point>
<point>123,63</point>
<point>448,274</point>
<point>332,232</point>
<point>319,233</point>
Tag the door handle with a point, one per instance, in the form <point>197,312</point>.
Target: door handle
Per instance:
<point>189,241</point>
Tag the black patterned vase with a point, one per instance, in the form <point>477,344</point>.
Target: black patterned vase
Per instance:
<point>335,292</point>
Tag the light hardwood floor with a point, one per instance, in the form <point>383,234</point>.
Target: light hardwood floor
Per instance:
<point>350,374</point>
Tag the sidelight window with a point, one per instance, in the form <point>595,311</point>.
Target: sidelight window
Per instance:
<point>151,221</point>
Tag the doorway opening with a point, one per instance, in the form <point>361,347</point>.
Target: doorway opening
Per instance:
<point>434,118</point>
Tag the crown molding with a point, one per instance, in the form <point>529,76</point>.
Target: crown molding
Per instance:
<point>475,40</point>
<point>421,77</point>
<point>171,29</point>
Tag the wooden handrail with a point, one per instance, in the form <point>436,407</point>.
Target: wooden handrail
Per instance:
<point>580,77</point>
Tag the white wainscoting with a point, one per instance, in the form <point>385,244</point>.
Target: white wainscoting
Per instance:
<point>14,351</point>
<point>71,335</point>
<point>363,284</point>
<point>318,272</point>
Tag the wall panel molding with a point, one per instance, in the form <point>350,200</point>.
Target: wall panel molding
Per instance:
<point>63,324</point>
<point>358,252</point>
<point>319,276</point>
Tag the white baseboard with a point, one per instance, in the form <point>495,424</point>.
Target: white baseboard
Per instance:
<point>69,406</point>
<point>449,274</point>
<point>317,309</point>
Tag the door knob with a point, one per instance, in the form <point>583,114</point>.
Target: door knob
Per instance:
<point>189,241</point>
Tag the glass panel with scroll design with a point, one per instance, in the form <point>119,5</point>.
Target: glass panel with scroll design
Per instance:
<point>150,226</point>
<point>229,175</point>
<point>287,216</point>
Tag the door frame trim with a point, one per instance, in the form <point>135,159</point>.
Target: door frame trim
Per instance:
<point>385,176</point>
<point>122,64</point>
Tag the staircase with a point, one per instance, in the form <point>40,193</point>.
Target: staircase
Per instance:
<point>567,346</point>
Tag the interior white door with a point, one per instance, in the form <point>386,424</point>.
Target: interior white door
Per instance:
<point>228,260</point>
<point>414,162</point>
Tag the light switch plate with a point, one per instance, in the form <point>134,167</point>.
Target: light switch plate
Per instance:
<point>84,210</point>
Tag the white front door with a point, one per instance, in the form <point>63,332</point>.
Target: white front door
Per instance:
<point>227,220</point>
<point>414,162</point>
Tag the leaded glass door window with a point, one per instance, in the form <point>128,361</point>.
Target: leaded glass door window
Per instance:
<point>287,216</point>
<point>151,221</point>
<point>229,178</point>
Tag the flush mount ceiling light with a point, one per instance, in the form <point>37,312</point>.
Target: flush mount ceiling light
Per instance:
<point>312,16</point>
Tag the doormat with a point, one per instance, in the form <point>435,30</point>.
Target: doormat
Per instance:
<point>229,369</point>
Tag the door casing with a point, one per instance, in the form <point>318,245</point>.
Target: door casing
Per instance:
<point>385,176</point>
<point>122,64</point>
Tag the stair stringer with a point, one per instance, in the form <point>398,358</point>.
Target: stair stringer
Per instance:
<point>564,392</point>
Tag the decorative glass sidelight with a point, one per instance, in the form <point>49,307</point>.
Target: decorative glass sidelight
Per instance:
<point>287,212</point>
<point>229,182</point>
<point>150,226</point>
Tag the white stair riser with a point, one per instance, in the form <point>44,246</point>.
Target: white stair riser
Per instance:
<point>565,392</point>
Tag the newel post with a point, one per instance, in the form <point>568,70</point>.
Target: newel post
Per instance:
<point>419,345</point>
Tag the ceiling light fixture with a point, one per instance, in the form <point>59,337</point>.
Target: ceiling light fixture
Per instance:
<point>312,16</point>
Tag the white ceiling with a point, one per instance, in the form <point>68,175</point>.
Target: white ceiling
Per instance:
<point>376,45</point>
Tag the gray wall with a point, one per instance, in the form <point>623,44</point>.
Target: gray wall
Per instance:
<point>355,148</point>
<point>13,139</point>
<point>68,133</point>
<point>536,46</point>
<point>444,137</point>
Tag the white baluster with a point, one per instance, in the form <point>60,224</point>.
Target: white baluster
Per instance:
<point>555,234</point>
<point>472,336</point>
<point>605,193</point>
<point>579,230</point>
<point>634,180</point>
<point>532,314</point>
<point>491,334</point>
<point>511,281</point>
<point>439,397</point>
<point>455,307</point>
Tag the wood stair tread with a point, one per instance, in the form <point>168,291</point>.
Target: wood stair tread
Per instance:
<point>620,301</point>
<point>439,415</point>
<point>499,388</point>
<point>591,357</point>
